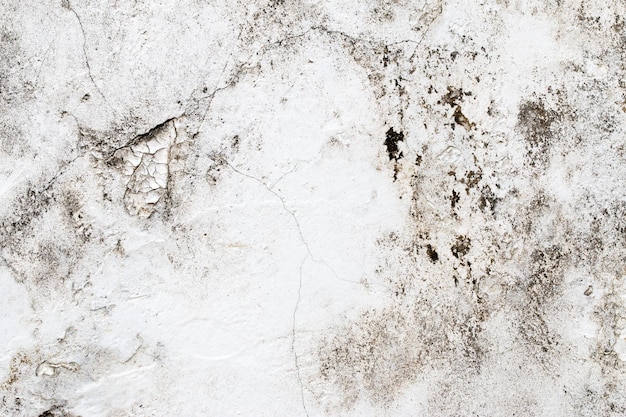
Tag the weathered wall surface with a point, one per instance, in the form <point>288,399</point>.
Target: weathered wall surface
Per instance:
<point>312,208</point>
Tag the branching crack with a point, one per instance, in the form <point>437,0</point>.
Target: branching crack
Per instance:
<point>282,201</point>
<point>308,256</point>
<point>293,216</point>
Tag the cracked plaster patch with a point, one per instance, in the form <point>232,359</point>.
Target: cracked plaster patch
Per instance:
<point>144,163</point>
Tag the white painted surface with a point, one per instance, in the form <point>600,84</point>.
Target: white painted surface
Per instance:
<point>398,208</point>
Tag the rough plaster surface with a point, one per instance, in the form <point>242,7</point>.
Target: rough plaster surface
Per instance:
<point>312,208</point>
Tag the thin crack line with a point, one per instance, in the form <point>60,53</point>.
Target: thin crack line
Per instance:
<point>68,5</point>
<point>293,338</point>
<point>270,45</point>
<point>43,60</point>
<point>428,26</point>
<point>228,84</point>
<point>138,138</point>
<point>286,173</point>
<point>239,69</point>
<point>141,343</point>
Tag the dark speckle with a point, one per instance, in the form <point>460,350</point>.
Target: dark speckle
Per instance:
<point>461,247</point>
<point>454,199</point>
<point>461,119</point>
<point>488,200</point>
<point>453,96</point>
<point>432,253</point>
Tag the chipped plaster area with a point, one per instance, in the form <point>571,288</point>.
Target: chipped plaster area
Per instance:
<point>312,208</point>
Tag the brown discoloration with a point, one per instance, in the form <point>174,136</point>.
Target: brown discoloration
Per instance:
<point>16,368</point>
<point>492,256</point>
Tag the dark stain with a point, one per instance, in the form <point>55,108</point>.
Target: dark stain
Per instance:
<point>38,261</point>
<point>471,180</point>
<point>15,86</point>
<point>454,199</point>
<point>461,119</point>
<point>432,253</point>
<point>385,56</point>
<point>487,200</point>
<point>616,215</point>
<point>73,204</point>
<point>29,206</point>
<point>391,142</point>
<point>454,96</point>
<point>461,247</point>
<point>234,144</point>
<point>214,173</point>
<point>546,274</point>
<point>57,411</point>
<point>385,350</point>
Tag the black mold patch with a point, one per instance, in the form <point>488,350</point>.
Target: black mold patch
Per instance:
<point>472,178</point>
<point>454,199</point>
<point>453,97</point>
<point>391,143</point>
